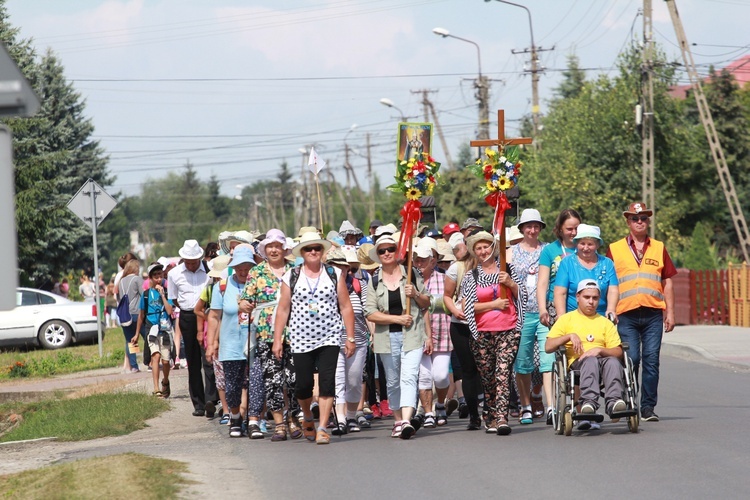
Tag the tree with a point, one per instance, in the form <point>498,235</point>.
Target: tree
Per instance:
<point>573,79</point>
<point>700,255</point>
<point>219,204</point>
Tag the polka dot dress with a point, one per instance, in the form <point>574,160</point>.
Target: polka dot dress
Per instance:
<point>315,320</point>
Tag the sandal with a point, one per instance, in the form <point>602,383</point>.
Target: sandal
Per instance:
<point>322,437</point>
<point>158,394</point>
<point>308,430</point>
<point>503,429</point>
<point>165,390</point>
<point>295,432</point>
<point>526,416</point>
<point>279,433</point>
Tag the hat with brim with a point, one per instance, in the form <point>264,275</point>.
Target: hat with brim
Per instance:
<point>336,257</point>
<point>242,254</point>
<point>305,229</point>
<point>587,231</point>
<point>512,236</point>
<point>363,255</point>
<point>154,268</point>
<point>274,236</point>
<point>383,230</point>
<point>456,239</point>
<point>191,250</point>
<point>470,223</point>
<point>350,252</point>
<point>637,208</point>
<point>382,241</point>
<point>586,284</point>
<point>445,251</point>
<point>530,215</point>
<point>430,244</point>
<point>472,240</point>
<point>310,239</point>
<point>218,265</point>
<point>347,229</point>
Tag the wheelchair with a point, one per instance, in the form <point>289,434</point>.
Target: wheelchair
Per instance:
<point>564,382</point>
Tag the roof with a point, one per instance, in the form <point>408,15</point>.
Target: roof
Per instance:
<point>740,68</point>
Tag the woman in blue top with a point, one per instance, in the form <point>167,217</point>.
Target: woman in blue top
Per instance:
<point>584,265</point>
<point>225,319</point>
<point>566,227</point>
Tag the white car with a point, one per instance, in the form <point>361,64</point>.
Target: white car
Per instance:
<point>45,319</point>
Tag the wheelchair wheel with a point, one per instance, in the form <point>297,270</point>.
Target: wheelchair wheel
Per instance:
<point>568,423</point>
<point>558,383</point>
<point>633,423</point>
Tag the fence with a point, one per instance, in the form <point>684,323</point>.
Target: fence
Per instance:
<point>709,297</point>
<point>739,295</point>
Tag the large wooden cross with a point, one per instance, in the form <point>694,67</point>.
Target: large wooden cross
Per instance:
<point>501,140</point>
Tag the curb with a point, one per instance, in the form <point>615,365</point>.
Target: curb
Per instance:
<point>695,353</point>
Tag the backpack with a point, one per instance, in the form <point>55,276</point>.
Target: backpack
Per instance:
<point>295,276</point>
<point>376,277</point>
<point>123,310</point>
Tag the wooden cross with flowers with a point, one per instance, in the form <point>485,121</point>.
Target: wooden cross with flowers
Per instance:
<point>499,170</point>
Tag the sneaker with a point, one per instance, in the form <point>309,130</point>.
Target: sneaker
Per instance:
<point>263,426</point>
<point>584,425</point>
<point>397,428</point>
<point>588,408</point>
<point>315,410</point>
<point>450,406</point>
<point>175,364</point>
<point>235,428</point>
<point>183,363</point>
<point>463,410</point>
<point>376,414</point>
<point>363,422</point>
<point>474,424</point>
<point>366,410</point>
<point>407,430</point>
<point>648,415</point>
<point>595,426</point>
<point>549,416</point>
<point>429,422</point>
<point>618,406</point>
<point>210,409</point>
<point>340,429</point>
<point>225,419</point>
<point>253,431</point>
<point>490,427</point>
<point>385,409</point>
<point>352,425</point>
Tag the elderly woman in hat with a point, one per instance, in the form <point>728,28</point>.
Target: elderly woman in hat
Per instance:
<point>400,339</point>
<point>259,299</point>
<point>525,259</point>
<point>494,301</point>
<point>315,302</point>
<point>586,263</point>
<point>350,233</point>
<point>231,325</point>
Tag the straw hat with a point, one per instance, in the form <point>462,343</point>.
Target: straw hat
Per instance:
<point>218,265</point>
<point>363,254</point>
<point>309,239</point>
<point>476,238</point>
<point>384,240</point>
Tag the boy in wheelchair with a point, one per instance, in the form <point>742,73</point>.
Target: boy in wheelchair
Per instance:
<point>593,348</point>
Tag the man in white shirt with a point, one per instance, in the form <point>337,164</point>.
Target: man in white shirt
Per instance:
<point>184,285</point>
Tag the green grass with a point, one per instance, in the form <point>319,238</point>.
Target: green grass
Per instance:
<point>90,417</point>
<point>118,476</point>
<point>39,363</point>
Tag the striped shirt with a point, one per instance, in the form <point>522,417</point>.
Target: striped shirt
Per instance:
<point>440,323</point>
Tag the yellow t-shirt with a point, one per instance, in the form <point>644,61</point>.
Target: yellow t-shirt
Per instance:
<point>595,331</point>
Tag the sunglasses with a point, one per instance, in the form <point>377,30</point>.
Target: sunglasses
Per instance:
<point>638,218</point>
<point>316,248</point>
<point>383,251</point>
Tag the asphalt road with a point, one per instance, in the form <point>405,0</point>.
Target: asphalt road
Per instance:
<point>699,449</point>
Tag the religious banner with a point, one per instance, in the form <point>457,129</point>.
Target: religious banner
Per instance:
<point>413,140</point>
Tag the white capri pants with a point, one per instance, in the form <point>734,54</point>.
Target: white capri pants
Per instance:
<point>435,368</point>
<point>349,375</point>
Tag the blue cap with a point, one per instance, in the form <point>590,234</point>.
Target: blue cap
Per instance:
<point>242,254</point>
<point>366,239</point>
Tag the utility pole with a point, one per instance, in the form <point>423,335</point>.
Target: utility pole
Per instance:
<point>725,177</point>
<point>428,107</point>
<point>371,180</point>
<point>647,130</point>
<point>535,71</point>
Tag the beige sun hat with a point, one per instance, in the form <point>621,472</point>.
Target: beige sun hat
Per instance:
<point>218,265</point>
<point>363,254</point>
<point>445,251</point>
<point>310,239</point>
<point>476,238</point>
<point>383,240</point>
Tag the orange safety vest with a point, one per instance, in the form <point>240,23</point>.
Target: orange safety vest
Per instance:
<point>640,286</point>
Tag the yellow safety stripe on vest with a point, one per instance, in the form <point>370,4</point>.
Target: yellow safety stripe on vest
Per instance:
<point>635,276</point>
<point>646,291</point>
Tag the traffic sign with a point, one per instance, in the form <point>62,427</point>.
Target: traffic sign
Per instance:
<point>82,206</point>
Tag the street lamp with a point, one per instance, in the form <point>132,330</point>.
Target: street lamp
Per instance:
<point>482,86</point>
<point>387,102</point>
<point>534,69</point>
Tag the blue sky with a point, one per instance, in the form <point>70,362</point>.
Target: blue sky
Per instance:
<point>237,86</point>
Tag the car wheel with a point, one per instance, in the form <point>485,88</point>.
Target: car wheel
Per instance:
<point>55,334</point>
